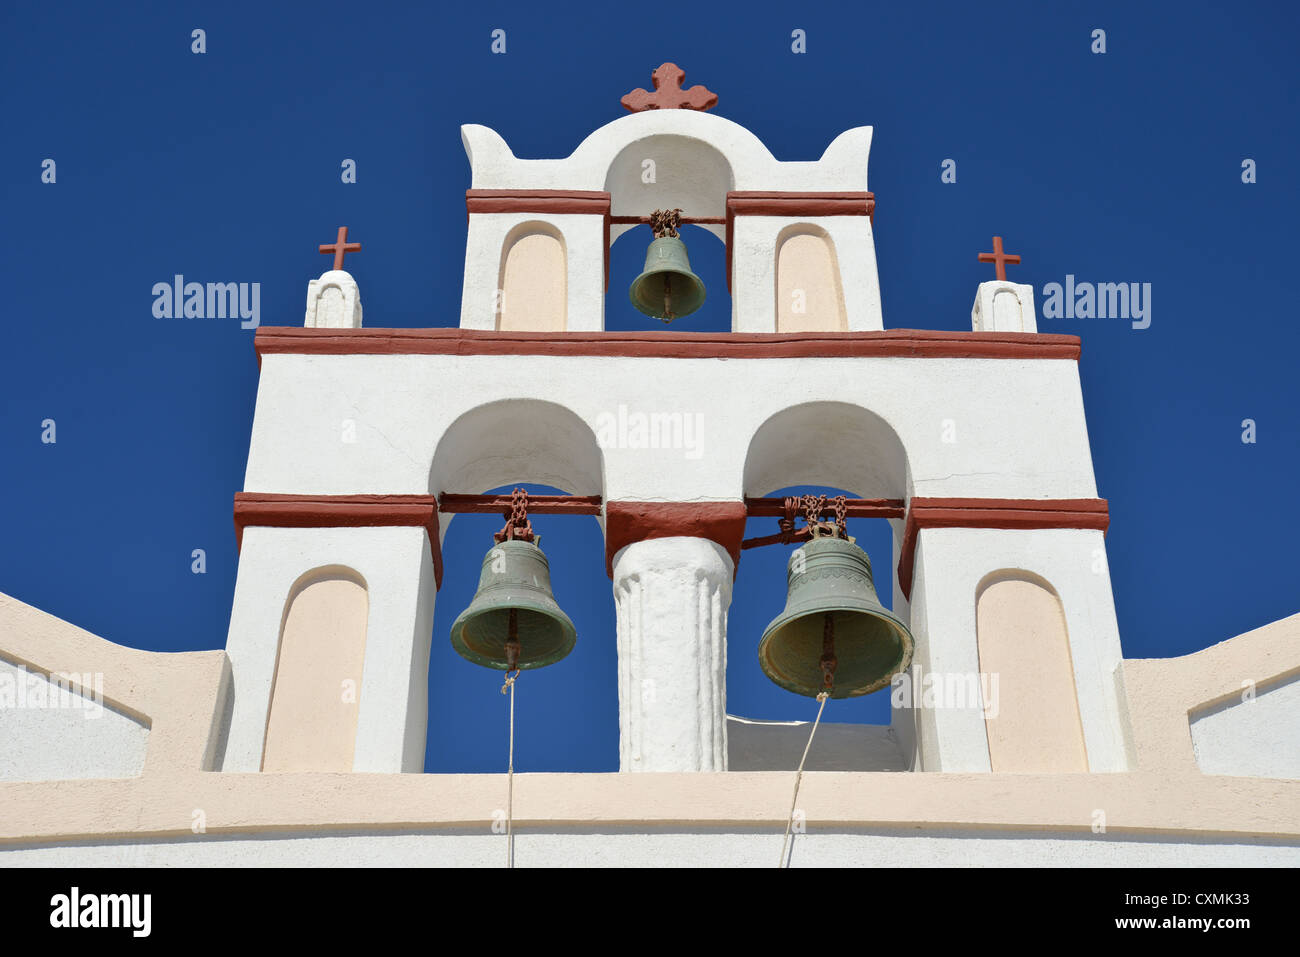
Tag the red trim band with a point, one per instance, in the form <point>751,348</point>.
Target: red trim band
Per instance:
<point>1014,513</point>
<point>555,201</point>
<point>803,205</point>
<point>900,343</point>
<point>340,511</point>
<point>630,522</point>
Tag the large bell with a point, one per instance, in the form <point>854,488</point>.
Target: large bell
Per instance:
<point>834,634</point>
<point>513,603</point>
<point>666,288</point>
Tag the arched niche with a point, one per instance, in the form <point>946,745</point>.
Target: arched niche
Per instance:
<point>827,443</point>
<point>809,292</point>
<point>312,721</point>
<point>533,280</point>
<point>516,441</point>
<point>669,171</point>
<point>1032,714</point>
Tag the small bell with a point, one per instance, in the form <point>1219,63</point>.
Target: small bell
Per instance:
<point>666,289</point>
<point>834,634</point>
<point>514,620</point>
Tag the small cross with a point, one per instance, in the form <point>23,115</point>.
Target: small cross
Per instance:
<point>668,94</point>
<point>340,247</point>
<point>999,258</point>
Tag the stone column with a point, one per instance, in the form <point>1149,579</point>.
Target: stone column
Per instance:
<point>672,596</point>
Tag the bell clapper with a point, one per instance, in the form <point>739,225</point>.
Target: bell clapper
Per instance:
<point>828,660</point>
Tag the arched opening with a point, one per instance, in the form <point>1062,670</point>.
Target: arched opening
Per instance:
<point>828,448</point>
<point>809,293</point>
<point>1031,714</point>
<point>566,714</point>
<point>669,172</point>
<point>315,695</point>
<point>533,281</point>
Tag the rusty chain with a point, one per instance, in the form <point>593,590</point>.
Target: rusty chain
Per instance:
<point>518,527</point>
<point>665,222</point>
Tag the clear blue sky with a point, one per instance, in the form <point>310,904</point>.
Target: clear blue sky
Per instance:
<point>1122,167</point>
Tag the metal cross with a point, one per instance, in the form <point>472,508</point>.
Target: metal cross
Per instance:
<point>999,258</point>
<point>340,247</point>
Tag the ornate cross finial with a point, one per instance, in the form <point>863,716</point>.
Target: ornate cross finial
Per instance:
<point>668,94</point>
<point>340,247</point>
<point>999,258</point>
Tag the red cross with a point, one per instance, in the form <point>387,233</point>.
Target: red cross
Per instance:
<point>340,247</point>
<point>668,94</point>
<point>997,257</point>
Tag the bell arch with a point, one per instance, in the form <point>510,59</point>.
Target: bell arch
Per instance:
<point>311,724</point>
<point>1031,716</point>
<point>669,171</point>
<point>515,441</point>
<point>809,289</point>
<point>827,443</point>
<point>532,283</point>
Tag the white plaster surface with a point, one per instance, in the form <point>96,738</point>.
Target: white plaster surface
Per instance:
<point>55,733</point>
<point>333,301</point>
<point>842,167</point>
<point>397,566</point>
<point>1251,737</point>
<point>613,847</point>
<point>1002,306</point>
<point>671,597</point>
<point>1026,437</point>
<point>778,745</point>
<point>950,565</point>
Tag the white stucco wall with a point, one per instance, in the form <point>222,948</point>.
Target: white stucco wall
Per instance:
<point>1025,438</point>
<point>618,847</point>
<point>397,566</point>
<point>52,732</point>
<point>1255,736</point>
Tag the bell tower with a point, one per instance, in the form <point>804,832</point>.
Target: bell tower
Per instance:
<point>971,444</point>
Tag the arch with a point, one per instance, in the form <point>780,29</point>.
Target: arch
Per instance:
<point>809,291</point>
<point>514,441</point>
<point>827,443</point>
<point>690,174</point>
<point>311,723</point>
<point>532,282</point>
<point>1032,719</point>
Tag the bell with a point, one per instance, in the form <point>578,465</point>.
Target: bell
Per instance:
<point>666,288</point>
<point>513,621</point>
<point>834,634</point>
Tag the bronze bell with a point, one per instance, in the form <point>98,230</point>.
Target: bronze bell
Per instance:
<point>834,634</point>
<point>666,288</point>
<point>514,620</point>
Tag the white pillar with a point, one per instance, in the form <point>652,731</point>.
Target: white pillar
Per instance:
<point>672,596</point>
<point>397,567</point>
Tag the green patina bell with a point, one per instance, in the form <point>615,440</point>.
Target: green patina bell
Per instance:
<point>513,602</point>
<point>666,288</point>
<point>834,634</point>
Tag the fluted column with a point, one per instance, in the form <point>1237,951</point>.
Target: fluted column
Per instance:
<point>672,596</point>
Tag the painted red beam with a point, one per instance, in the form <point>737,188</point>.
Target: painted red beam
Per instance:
<point>452,502</point>
<point>857,508</point>
<point>685,220</point>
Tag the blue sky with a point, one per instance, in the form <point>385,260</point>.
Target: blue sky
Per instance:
<point>1121,167</point>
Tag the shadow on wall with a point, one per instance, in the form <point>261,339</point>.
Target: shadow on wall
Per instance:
<point>566,714</point>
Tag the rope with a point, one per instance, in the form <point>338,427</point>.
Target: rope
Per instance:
<point>798,775</point>
<point>510,773</point>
